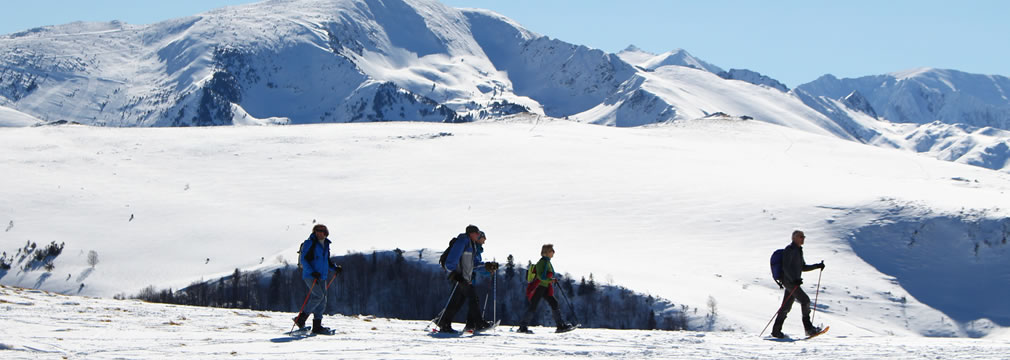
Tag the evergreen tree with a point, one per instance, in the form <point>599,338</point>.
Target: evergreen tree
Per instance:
<point>274,291</point>
<point>236,287</point>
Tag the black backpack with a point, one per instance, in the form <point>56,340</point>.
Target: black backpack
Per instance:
<point>445,254</point>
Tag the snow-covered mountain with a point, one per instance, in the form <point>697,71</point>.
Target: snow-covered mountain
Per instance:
<point>947,114</point>
<point>922,96</point>
<point>369,60</point>
<point>678,57</point>
<point>419,60</point>
<point>661,209</point>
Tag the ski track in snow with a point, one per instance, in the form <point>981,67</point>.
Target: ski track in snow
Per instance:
<point>43,325</point>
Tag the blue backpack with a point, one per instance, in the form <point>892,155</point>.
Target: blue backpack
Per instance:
<point>776,263</point>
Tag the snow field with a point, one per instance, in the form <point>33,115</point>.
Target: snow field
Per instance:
<point>42,325</point>
<point>687,212</point>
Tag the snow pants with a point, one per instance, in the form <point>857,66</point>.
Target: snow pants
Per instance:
<point>541,293</point>
<point>465,292</point>
<point>787,304</point>
<point>317,300</point>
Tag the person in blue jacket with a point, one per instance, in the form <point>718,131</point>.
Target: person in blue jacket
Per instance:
<point>314,258</point>
<point>463,261</point>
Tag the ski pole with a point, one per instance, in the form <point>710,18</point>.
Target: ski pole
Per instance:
<point>487,297</point>
<point>570,307</point>
<point>438,318</point>
<point>306,301</point>
<point>817,292</point>
<point>788,298</point>
<point>331,281</point>
<point>494,286</point>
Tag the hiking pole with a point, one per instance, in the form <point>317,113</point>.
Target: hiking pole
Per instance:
<point>438,318</point>
<point>570,307</point>
<point>331,281</point>
<point>487,297</point>
<point>817,292</point>
<point>494,287</point>
<point>305,302</point>
<point>788,298</point>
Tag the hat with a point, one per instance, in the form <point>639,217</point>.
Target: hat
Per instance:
<point>321,227</point>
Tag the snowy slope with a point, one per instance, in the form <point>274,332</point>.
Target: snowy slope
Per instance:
<point>13,118</point>
<point>40,325</point>
<point>683,211</point>
<point>675,93</point>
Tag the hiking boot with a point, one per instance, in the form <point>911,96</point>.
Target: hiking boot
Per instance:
<point>317,327</point>
<point>523,329</point>
<point>813,331</point>
<point>446,328</point>
<point>565,327</point>
<point>482,326</point>
<point>778,335</point>
<point>300,320</point>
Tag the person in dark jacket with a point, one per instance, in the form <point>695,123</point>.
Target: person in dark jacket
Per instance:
<point>314,258</point>
<point>542,287</point>
<point>793,267</point>
<point>463,261</point>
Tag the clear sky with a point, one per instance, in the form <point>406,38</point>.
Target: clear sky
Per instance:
<point>794,41</point>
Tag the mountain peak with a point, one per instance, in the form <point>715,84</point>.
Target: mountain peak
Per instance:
<point>632,48</point>
<point>912,73</point>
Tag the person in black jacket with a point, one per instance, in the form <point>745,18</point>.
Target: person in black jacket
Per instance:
<point>793,267</point>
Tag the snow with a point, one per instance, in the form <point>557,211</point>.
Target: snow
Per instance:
<point>419,60</point>
<point>41,325</point>
<point>13,118</point>
<point>687,205</point>
<point>682,211</point>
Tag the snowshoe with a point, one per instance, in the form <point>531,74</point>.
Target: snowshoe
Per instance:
<point>483,327</point>
<point>817,332</point>
<point>567,328</point>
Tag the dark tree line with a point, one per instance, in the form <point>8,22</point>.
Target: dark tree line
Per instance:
<point>394,285</point>
<point>32,256</point>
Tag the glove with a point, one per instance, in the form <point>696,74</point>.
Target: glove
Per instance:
<point>338,269</point>
<point>821,265</point>
<point>491,266</point>
<point>316,275</point>
<point>799,282</point>
<point>456,276</point>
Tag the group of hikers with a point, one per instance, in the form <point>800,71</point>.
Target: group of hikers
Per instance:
<point>463,261</point>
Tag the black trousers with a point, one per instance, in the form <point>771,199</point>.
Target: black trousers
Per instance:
<point>787,304</point>
<point>464,292</point>
<point>541,293</point>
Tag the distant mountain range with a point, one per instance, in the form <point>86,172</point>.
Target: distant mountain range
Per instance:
<point>316,61</point>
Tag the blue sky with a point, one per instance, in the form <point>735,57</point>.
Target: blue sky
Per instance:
<point>794,41</point>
